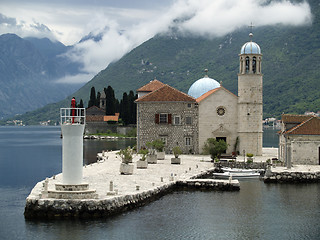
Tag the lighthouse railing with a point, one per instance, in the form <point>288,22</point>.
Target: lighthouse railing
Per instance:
<point>73,116</point>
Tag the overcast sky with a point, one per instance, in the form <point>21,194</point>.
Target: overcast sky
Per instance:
<point>126,24</point>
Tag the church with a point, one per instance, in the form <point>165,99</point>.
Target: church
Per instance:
<point>208,111</point>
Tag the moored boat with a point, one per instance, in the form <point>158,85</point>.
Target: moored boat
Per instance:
<point>236,175</point>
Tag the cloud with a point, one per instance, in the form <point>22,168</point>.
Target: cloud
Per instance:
<point>23,29</point>
<point>199,17</point>
<point>121,29</point>
<point>75,79</point>
<point>219,17</point>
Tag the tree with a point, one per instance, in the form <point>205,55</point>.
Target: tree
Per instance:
<point>215,148</point>
<point>80,105</point>
<point>110,101</point>
<point>92,100</point>
<point>132,108</point>
<point>98,99</point>
<point>124,109</point>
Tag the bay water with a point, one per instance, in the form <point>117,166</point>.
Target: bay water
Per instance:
<point>258,211</point>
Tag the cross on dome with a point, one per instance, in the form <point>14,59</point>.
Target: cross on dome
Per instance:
<point>251,26</point>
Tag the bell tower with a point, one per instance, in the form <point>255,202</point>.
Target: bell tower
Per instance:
<point>250,99</point>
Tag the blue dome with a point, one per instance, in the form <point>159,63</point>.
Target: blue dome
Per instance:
<point>202,86</point>
<point>250,48</point>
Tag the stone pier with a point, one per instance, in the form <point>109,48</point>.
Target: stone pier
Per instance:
<point>295,174</point>
<point>117,193</point>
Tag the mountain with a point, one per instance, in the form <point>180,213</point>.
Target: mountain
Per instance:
<point>291,63</point>
<point>28,70</point>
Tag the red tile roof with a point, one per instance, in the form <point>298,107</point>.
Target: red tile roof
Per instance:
<point>166,94</point>
<point>151,86</point>
<point>291,118</point>
<point>207,94</point>
<point>311,126</point>
<point>111,118</point>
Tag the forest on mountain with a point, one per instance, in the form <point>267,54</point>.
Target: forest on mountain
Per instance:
<point>290,66</point>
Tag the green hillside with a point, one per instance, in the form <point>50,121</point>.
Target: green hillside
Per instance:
<point>291,63</point>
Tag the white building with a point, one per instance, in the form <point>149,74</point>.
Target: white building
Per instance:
<point>299,139</point>
<point>213,111</point>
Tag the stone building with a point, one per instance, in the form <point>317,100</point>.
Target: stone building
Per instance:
<point>98,122</point>
<point>168,114</point>
<point>208,111</point>
<point>299,140</point>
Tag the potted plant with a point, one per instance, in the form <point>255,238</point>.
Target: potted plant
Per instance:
<point>151,157</point>
<point>176,152</point>
<point>126,156</point>
<point>143,163</point>
<point>249,157</point>
<point>158,144</point>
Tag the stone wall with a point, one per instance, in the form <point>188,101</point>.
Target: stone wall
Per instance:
<point>208,185</point>
<point>103,127</point>
<point>98,208</point>
<point>93,208</point>
<point>292,177</point>
<point>306,151</point>
<point>148,130</point>
<point>250,110</point>
<point>245,165</point>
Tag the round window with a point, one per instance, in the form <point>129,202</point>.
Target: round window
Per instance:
<point>221,111</point>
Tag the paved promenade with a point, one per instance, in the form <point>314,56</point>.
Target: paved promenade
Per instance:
<point>99,174</point>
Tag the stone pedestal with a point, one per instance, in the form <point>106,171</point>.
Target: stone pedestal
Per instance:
<point>175,160</point>
<point>126,169</point>
<point>142,164</point>
<point>72,191</point>
<point>161,155</point>
<point>152,158</point>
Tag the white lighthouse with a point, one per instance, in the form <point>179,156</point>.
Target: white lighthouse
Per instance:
<point>72,127</point>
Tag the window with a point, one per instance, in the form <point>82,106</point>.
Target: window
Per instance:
<point>254,65</point>
<point>188,120</point>
<point>221,111</point>
<point>188,141</point>
<point>163,118</point>
<point>189,105</point>
<point>164,140</point>
<point>176,120</point>
<point>247,64</point>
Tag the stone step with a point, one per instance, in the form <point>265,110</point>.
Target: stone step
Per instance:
<point>72,187</point>
<point>86,194</point>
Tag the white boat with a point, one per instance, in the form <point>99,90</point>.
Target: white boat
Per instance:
<point>238,170</point>
<point>236,175</point>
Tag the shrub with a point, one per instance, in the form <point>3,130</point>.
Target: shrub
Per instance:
<point>144,153</point>
<point>215,148</point>
<point>126,155</point>
<point>176,151</point>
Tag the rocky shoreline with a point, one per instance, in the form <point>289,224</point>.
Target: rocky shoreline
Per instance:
<point>292,177</point>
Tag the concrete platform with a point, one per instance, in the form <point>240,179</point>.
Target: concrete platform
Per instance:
<point>128,191</point>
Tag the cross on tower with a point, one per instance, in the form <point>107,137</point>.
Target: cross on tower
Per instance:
<point>251,28</point>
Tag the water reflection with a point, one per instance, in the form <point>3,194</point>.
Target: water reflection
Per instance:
<point>257,211</point>
<point>92,147</point>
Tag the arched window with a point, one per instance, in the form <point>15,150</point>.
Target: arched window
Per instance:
<point>254,61</point>
<point>247,64</point>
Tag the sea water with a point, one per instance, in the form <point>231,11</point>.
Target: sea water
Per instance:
<point>257,211</point>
